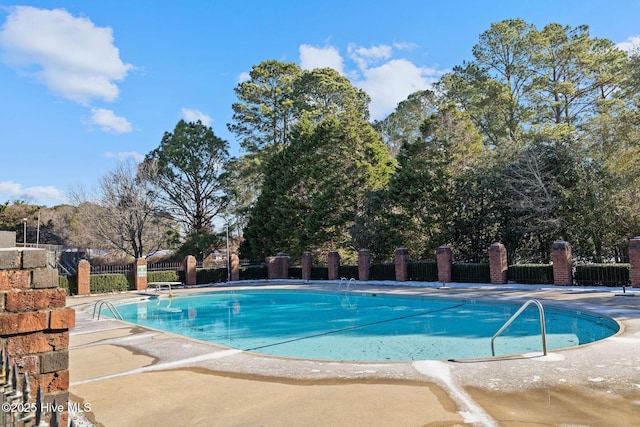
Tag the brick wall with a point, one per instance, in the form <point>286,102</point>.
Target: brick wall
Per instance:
<point>34,323</point>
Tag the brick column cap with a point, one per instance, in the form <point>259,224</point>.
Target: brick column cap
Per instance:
<point>634,243</point>
<point>560,244</point>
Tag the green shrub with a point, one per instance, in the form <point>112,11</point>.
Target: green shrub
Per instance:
<point>211,275</point>
<point>69,284</point>
<point>602,275</point>
<point>470,273</point>
<point>531,273</point>
<point>423,271</point>
<point>164,276</point>
<point>104,283</point>
<point>382,271</point>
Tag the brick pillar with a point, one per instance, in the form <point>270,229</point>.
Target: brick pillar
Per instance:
<point>190,277</point>
<point>140,274</point>
<point>234,263</point>
<point>402,264</point>
<point>634,261</point>
<point>283,265</point>
<point>498,264</point>
<point>333,262</point>
<point>444,258</point>
<point>83,277</point>
<point>562,264</point>
<point>278,266</point>
<point>364,264</point>
<point>307,262</point>
<point>271,267</point>
<point>34,323</point>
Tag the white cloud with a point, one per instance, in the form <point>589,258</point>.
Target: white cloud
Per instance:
<point>387,80</point>
<point>243,77</point>
<point>109,122</point>
<point>47,195</point>
<point>312,57</point>
<point>630,45</point>
<point>124,155</point>
<point>405,46</point>
<point>392,82</point>
<point>364,57</point>
<point>70,55</point>
<point>191,115</point>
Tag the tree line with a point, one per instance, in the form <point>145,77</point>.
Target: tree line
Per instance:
<point>533,140</point>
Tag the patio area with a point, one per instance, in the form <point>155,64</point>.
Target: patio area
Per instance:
<point>129,375</point>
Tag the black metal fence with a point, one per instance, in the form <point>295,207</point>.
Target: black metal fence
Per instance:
<point>530,274</point>
<point>602,275</point>
<point>424,271</point>
<point>19,407</point>
<point>470,273</point>
<point>112,269</point>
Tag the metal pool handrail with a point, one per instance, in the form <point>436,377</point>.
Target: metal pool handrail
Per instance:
<point>543,330</point>
<point>112,308</point>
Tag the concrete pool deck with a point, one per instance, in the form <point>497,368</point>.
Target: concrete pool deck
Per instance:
<point>131,376</point>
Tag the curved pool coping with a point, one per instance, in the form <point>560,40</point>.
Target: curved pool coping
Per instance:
<point>611,365</point>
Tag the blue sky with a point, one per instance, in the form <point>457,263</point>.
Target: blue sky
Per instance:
<point>86,84</point>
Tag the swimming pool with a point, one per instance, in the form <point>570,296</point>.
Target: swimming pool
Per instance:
<point>362,326</point>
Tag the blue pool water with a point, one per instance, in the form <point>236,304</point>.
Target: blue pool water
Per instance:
<point>362,326</point>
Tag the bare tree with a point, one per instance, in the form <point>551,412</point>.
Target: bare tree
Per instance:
<point>123,213</point>
<point>528,182</point>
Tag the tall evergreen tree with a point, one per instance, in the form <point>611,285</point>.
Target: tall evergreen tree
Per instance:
<point>187,168</point>
<point>314,188</point>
